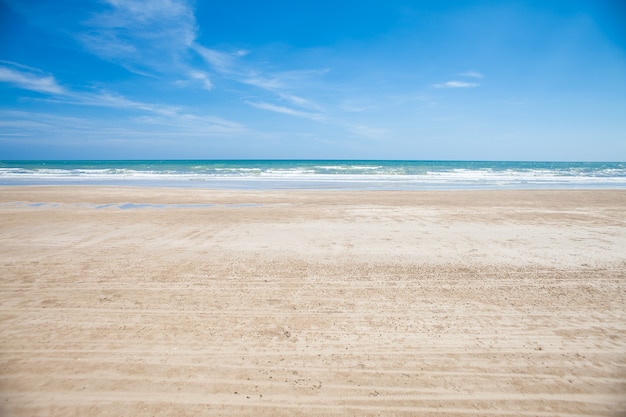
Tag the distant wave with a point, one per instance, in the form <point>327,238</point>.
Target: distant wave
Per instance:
<point>320,174</point>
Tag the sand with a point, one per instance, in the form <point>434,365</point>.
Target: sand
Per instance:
<point>241,303</point>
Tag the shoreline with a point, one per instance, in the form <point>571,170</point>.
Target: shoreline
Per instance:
<point>264,303</point>
<point>319,174</point>
<point>226,184</point>
<point>187,192</point>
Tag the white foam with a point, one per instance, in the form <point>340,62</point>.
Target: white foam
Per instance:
<point>375,177</point>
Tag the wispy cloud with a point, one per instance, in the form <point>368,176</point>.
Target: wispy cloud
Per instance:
<point>264,82</point>
<point>472,74</point>
<point>189,124</point>
<point>300,101</point>
<point>107,99</point>
<point>153,113</point>
<point>367,131</point>
<point>456,84</point>
<point>40,122</point>
<point>160,38</point>
<point>356,106</point>
<point>287,110</point>
<point>221,62</point>
<point>462,84</point>
<point>230,66</point>
<point>144,37</point>
<point>148,126</point>
<point>203,78</point>
<point>30,79</point>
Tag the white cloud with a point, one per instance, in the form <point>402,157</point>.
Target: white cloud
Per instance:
<point>30,80</point>
<point>456,84</point>
<point>188,124</point>
<point>279,82</point>
<point>300,101</point>
<point>472,74</point>
<point>357,105</point>
<point>286,110</point>
<point>264,83</point>
<point>36,124</point>
<point>158,38</point>
<point>155,39</point>
<point>368,131</point>
<point>154,9</point>
<point>220,61</point>
<point>228,65</point>
<point>106,99</point>
<point>203,78</point>
<point>158,114</point>
<point>142,36</point>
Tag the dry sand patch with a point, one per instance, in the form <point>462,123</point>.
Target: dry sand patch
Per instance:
<point>312,303</point>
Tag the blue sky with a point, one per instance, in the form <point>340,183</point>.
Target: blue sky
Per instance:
<point>170,79</point>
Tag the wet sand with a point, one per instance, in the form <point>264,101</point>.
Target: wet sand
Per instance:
<point>141,302</point>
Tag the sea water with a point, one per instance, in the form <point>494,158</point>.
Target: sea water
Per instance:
<point>318,174</point>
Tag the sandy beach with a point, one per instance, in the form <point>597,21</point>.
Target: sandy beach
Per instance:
<point>187,302</point>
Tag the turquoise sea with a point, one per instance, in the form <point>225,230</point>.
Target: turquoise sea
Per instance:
<point>318,174</point>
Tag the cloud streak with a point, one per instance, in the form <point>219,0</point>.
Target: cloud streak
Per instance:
<point>462,84</point>
<point>230,66</point>
<point>30,79</point>
<point>143,37</point>
<point>456,84</point>
<point>23,126</point>
<point>472,74</point>
<point>159,38</point>
<point>287,110</point>
<point>368,131</point>
<point>221,62</point>
<point>203,78</point>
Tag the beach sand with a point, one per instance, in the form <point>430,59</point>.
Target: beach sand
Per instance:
<point>333,303</point>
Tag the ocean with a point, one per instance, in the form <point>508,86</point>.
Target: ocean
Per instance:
<point>318,174</point>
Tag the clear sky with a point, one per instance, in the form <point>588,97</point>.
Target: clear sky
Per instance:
<point>322,79</point>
